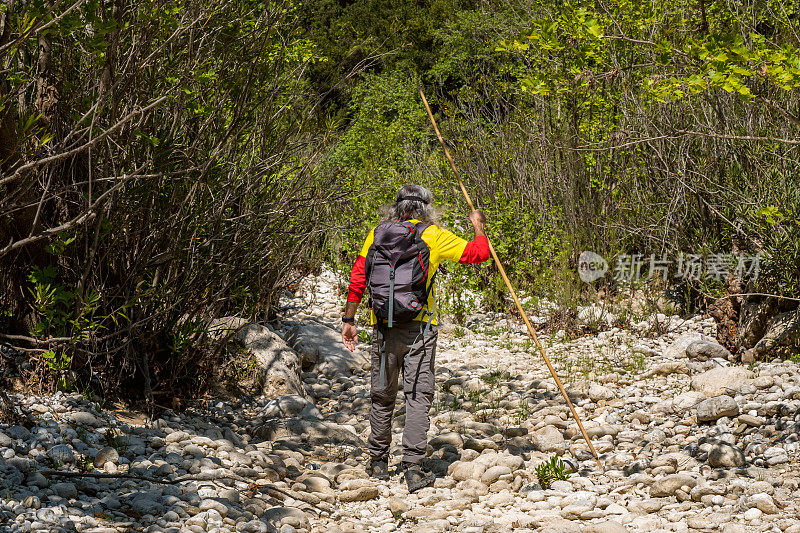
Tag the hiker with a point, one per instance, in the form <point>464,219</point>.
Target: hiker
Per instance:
<point>398,263</point>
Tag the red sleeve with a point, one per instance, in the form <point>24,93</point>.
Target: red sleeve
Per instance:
<point>476,251</point>
<point>358,281</point>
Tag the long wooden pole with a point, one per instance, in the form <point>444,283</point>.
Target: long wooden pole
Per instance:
<point>502,270</point>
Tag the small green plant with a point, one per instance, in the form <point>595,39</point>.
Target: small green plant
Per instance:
<point>58,363</point>
<point>494,404</point>
<point>523,413</point>
<point>475,396</point>
<point>527,345</point>
<point>85,464</point>
<point>184,335</point>
<point>586,366</point>
<point>459,332</point>
<point>114,440</point>
<point>623,318</point>
<point>635,364</point>
<point>61,311</point>
<point>364,337</point>
<point>98,401</point>
<point>494,331</point>
<point>455,403</point>
<point>596,324</point>
<point>552,470</point>
<point>494,377</point>
<point>567,365</point>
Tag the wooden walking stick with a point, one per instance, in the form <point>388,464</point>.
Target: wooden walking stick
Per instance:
<point>511,288</point>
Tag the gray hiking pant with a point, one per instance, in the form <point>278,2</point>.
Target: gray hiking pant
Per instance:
<point>403,347</point>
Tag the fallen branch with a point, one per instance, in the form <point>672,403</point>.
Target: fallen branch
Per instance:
<point>269,487</point>
<point>107,475</point>
<point>32,340</point>
<point>765,295</point>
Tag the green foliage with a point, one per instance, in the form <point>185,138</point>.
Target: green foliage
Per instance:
<point>61,312</point>
<point>552,470</point>
<point>580,76</point>
<point>494,377</point>
<point>635,364</point>
<point>57,364</point>
<point>114,440</point>
<point>244,142</point>
<point>523,412</point>
<point>157,174</point>
<point>475,396</point>
<point>365,336</point>
<point>85,464</point>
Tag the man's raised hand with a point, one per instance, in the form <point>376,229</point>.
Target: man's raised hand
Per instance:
<point>478,221</point>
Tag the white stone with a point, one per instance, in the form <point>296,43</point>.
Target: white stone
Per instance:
<point>753,514</point>
<point>721,380</point>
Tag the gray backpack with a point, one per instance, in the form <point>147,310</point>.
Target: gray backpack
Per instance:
<point>396,268</point>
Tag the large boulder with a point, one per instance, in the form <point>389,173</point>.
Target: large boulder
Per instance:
<point>549,440</point>
<point>464,470</point>
<point>226,327</point>
<point>278,365</point>
<point>754,315</point>
<point>724,455</point>
<point>677,349</point>
<point>687,400</point>
<point>669,485</point>
<point>315,432</point>
<point>278,517</point>
<point>290,406</point>
<point>721,380</point>
<point>715,408</point>
<point>782,329</point>
<point>703,350</point>
<point>589,389</point>
<point>321,344</point>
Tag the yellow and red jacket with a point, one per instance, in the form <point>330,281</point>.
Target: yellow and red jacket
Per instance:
<point>444,246</point>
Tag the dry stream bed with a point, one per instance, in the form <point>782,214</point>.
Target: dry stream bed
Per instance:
<point>689,442</point>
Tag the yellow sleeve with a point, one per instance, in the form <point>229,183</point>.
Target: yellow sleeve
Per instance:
<point>449,246</point>
<point>367,243</point>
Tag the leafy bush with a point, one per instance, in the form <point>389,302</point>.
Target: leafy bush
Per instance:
<point>552,470</point>
<point>657,131</point>
<point>156,175</point>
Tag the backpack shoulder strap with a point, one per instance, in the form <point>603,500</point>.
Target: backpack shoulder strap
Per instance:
<point>419,229</point>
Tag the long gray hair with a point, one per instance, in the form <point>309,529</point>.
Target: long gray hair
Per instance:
<point>419,206</point>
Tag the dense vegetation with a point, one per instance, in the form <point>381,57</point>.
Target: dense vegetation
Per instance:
<point>162,165</point>
<point>155,174</point>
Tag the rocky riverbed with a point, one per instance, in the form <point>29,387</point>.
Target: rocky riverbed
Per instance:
<point>688,441</point>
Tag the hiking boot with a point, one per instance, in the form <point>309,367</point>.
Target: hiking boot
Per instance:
<point>379,468</point>
<point>417,479</point>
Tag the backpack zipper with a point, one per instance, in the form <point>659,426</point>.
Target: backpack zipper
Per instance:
<point>391,296</point>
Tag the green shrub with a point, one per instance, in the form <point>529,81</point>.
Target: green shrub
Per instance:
<point>552,470</point>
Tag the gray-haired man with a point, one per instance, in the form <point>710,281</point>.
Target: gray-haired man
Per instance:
<point>408,345</point>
